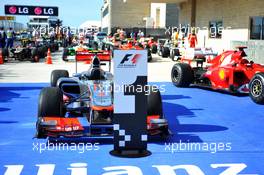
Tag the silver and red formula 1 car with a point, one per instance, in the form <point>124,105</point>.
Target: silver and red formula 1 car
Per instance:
<point>82,105</point>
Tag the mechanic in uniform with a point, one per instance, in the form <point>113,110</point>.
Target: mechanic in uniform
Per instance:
<point>175,37</point>
<point>140,34</point>
<point>132,35</point>
<point>35,35</point>
<point>69,37</point>
<point>2,37</point>
<point>52,36</point>
<point>192,39</point>
<point>116,35</point>
<point>182,38</point>
<point>10,36</point>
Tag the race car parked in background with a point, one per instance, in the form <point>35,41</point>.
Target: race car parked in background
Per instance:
<point>82,106</point>
<point>163,48</point>
<point>131,44</point>
<point>31,51</point>
<point>149,43</point>
<point>229,71</point>
<point>84,52</point>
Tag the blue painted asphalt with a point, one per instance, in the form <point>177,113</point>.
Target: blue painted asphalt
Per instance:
<point>195,116</point>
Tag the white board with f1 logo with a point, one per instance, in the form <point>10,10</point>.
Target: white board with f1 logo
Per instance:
<point>128,65</point>
<point>130,101</point>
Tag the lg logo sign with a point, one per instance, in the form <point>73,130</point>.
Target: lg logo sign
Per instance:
<point>82,169</point>
<point>19,10</point>
<point>46,11</point>
<point>25,10</point>
<point>31,10</point>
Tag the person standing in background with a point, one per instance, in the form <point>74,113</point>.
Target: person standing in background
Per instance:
<point>132,35</point>
<point>2,38</point>
<point>69,37</point>
<point>122,34</point>
<point>192,39</point>
<point>175,37</point>
<point>35,35</point>
<point>10,36</point>
<point>182,38</point>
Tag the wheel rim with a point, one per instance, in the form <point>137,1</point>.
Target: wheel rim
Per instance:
<point>175,76</point>
<point>256,88</point>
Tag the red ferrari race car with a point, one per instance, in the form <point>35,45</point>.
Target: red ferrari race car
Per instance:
<point>229,71</point>
<point>149,43</point>
<point>82,106</point>
<point>131,44</point>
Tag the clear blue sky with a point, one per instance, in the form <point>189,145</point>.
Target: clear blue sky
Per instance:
<point>72,12</point>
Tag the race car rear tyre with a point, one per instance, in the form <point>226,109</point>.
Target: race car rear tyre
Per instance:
<point>149,56</point>
<point>5,52</point>
<point>43,51</point>
<point>154,102</point>
<point>56,75</point>
<point>182,75</point>
<point>172,54</point>
<point>256,88</point>
<point>154,49</point>
<point>50,102</point>
<point>34,55</point>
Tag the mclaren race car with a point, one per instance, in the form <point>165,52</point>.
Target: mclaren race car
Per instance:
<point>82,106</point>
<point>229,71</point>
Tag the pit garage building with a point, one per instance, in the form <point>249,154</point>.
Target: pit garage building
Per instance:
<point>221,24</point>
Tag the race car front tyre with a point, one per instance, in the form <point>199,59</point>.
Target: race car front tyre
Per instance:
<point>154,48</point>
<point>50,102</point>
<point>172,54</point>
<point>165,52</point>
<point>40,133</point>
<point>182,75</point>
<point>154,102</point>
<point>256,88</point>
<point>56,75</point>
<point>65,54</point>
<point>175,53</point>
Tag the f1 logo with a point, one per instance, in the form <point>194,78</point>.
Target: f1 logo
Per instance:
<point>127,57</point>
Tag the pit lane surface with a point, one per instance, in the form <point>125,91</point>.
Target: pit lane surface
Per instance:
<point>158,70</point>
<point>195,116</point>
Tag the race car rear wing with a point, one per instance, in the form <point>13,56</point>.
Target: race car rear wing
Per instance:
<point>88,55</point>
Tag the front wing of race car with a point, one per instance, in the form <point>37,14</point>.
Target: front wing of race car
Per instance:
<point>56,127</point>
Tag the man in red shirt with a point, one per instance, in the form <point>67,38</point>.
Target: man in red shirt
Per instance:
<point>192,39</point>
